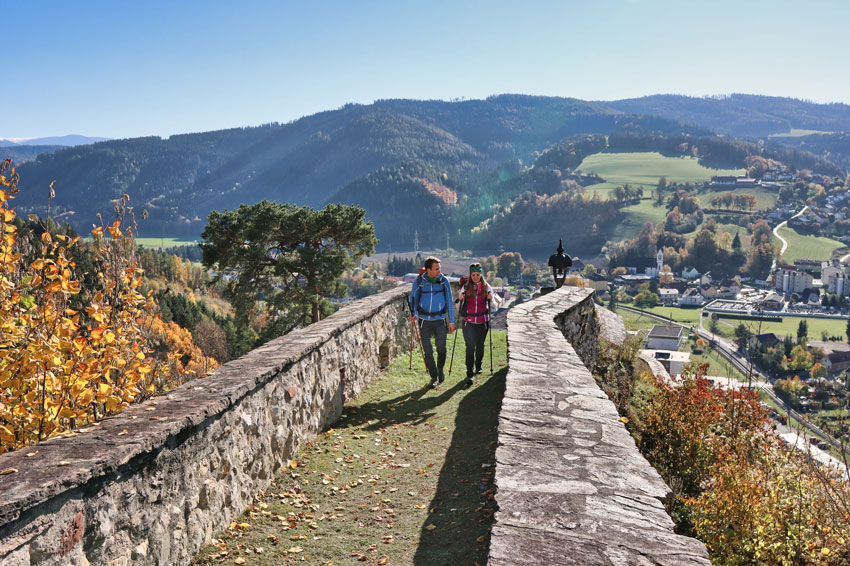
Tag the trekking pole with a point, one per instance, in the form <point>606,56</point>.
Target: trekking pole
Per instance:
<point>490,332</point>
<point>421,350</point>
<point>454,343</point>
<point>412,331</point>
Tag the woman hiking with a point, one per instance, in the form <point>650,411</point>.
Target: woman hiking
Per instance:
<point>475,296</point>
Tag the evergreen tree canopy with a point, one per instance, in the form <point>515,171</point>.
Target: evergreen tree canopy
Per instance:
<point>290,257</point>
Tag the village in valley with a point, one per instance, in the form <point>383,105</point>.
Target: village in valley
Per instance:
<point>785,334</point>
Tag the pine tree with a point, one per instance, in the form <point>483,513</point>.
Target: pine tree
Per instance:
<point>736,243</point>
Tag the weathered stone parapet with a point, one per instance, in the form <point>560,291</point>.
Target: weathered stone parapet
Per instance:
<point>572,487</point>
<point>155,483</point>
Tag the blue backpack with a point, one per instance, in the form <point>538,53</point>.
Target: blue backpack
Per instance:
<point>420,281</point>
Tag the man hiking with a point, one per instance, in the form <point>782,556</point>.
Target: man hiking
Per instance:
<point>431,302</point>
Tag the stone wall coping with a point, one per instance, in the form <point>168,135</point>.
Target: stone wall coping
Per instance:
<point>62,463</point>
<point>572,487</point>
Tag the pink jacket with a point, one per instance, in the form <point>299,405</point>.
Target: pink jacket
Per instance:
<point>476,305</point>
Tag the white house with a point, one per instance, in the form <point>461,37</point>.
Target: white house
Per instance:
<point>690,298</point>
<point>664,338</point>
<point>689,273</point>
<point>668,296</point>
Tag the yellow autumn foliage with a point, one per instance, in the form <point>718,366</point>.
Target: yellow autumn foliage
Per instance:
<point>60,370</point>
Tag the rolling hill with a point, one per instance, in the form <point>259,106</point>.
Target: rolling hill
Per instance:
<point>407,162</point>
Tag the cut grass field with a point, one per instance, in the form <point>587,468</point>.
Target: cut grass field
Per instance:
<point>635,216</point>
<point>801,246</point>
<point>789,325</point>
<point>645,168</point>
<point>405,478</point>
<point>165,242</point>
<point>797,133</point>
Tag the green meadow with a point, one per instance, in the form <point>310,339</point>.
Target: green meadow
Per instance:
<point>645,168</point>
<point>165,242</point>
<point>636,215</point>
<point>801,246</point>
<point>797,133</point>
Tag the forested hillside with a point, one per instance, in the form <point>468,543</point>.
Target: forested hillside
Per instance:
<point>742,115</point>
<point>449,165</point>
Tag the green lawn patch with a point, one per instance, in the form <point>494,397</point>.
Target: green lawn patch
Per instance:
<point>680,315</point>
<point>405,478</point>
<point>636,321</point>
<point>717,365</point>
<point>801,246</point>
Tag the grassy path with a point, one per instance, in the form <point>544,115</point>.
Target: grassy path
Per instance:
<point>404,478</point>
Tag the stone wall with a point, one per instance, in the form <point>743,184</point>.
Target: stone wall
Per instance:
<point>572,487</point>
<point>155,483</point>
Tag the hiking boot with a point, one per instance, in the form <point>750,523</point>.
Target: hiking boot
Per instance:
<point>477,370</point>
<point>433,384</point>
<point>442,377</point>
<point>468,383</point>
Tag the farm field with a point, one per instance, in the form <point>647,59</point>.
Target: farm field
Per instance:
<point>645,168</point>
<point>635,217</point>
<point>165,241</point>
<point>797,133</point>
<point>801,246</point>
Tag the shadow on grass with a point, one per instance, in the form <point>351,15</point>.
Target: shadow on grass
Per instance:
<point>413,407</point>
<point>457,530</point>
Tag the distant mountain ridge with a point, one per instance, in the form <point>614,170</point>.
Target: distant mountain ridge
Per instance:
<point>62,141</point>
<point>397,158</point>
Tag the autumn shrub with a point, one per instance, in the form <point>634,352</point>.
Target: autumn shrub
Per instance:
<point>62,368</point>
<point>752,500</point>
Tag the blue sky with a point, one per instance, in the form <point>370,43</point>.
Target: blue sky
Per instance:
<point>126,69</point>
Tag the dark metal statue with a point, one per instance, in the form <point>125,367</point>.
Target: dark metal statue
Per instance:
<point>559,263</point>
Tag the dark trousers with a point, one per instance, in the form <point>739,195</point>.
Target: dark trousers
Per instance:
<point>474,336</point>
<point>437,329</point>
